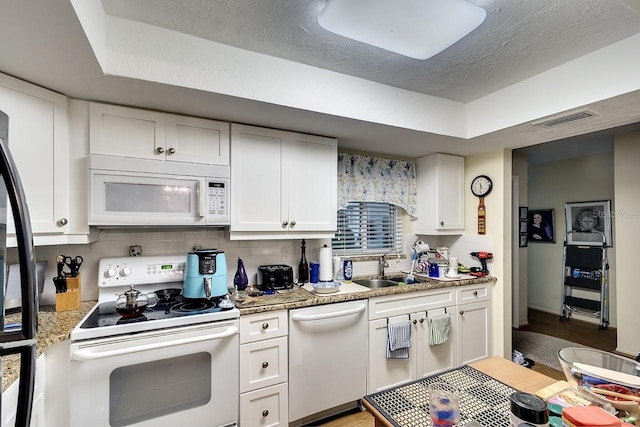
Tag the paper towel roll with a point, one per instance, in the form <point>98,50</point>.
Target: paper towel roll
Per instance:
<point>453,262</point>
<point>326,266</point>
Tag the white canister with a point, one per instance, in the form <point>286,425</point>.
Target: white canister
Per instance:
<point>442,270</point>
<point>326,266</point>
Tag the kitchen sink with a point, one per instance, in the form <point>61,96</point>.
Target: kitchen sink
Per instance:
<point>376,283</point>
<point>403,279</point>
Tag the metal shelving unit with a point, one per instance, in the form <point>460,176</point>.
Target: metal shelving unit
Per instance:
<point>585,281</point>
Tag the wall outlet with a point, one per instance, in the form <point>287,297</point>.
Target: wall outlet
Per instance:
<point>286,255</point>
<point>135,250</point>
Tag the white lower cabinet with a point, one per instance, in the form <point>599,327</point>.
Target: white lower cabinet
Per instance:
<point>10,399</point>
<point>265,407</point>
<point>424,360</point>
<point>474,328</point>
<point>264,369</point>
<point>469,338</point>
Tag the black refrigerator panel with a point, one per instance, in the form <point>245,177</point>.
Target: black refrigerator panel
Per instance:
<point>18,339</point>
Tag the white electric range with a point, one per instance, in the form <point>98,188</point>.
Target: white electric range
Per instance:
<point>176,362</point>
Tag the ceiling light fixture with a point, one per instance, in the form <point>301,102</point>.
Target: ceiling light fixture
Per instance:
<point>415,28</point>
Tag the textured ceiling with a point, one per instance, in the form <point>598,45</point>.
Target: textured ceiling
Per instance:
<point>517,40</point>
<point>45,42</point>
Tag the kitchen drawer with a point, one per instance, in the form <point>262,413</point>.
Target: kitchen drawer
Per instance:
<point>261,326</point>
<point>265,407</point>
<point>472,293</point>
<point>394,305</point>
<point>263,363</point>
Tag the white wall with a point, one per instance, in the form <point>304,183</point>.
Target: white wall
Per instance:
<point>497,165</point>
<point>550,186</point>
<point>520,170</point>
<point>626,232</point>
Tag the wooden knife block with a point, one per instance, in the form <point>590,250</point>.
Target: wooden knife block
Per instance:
<point>69,300</point>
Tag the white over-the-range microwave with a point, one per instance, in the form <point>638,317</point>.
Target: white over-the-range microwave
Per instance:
<point>126,191</point>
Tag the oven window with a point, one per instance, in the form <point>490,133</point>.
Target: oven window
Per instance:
<point>154,389</point>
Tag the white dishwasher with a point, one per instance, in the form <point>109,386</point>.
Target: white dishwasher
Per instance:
<point>327,358</point>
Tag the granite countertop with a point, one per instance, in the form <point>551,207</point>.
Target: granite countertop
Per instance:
<point>299,297</point>
<point>53,327</point>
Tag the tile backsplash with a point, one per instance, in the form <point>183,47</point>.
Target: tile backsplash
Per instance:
<point>116,243</point>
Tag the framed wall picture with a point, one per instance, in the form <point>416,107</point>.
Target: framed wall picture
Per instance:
<point>541,226</point>
<point>523,240</point>
<point>589,222</point>
<point>523,227</point>
<point>523,213</point>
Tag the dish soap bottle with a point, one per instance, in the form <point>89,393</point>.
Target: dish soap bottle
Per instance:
<point>240,280</point>
<point>303,268</point>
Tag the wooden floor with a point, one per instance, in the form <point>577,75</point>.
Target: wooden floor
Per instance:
<point>574,330</point>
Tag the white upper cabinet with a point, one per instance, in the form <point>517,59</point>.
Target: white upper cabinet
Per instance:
<point>38,141</point>
<point>283,184</point>
<point>196,140</point>
<point>143,134</point>
<point>440,182</point>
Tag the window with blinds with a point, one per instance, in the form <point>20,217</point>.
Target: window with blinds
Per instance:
<point>368,227</point>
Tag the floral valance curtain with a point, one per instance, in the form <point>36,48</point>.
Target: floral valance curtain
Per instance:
<point>373,179</point>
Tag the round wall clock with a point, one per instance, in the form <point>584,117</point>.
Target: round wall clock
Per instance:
<point>481,185</point>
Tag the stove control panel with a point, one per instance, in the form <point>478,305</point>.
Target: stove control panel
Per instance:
<point>141,270</point>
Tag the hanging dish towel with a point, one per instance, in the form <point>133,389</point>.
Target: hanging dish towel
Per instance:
<point>439,328</point>
<point>398,340</point>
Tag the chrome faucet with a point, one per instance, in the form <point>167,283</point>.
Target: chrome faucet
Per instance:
<point>382,264</point>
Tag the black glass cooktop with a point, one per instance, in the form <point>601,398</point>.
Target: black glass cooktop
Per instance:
<point>106,315</point>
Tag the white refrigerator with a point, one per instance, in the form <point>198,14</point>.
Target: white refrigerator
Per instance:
<point>19,339</point>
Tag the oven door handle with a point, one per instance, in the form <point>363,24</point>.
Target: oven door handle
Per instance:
<point>304,318</point>
<point>88,355</point>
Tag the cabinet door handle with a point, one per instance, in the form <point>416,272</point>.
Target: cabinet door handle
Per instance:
<point>421,320</point>
<point>265,413</point>
<point>265,365</point>
<point>63,221</point>
<point>285,223</point>
<point>172,150</point>
<point>461,312</point>
<point>293,223</point>
<point>160,150</point>
<point>442,223</point>
<point>265,325</point>
<point>415,321</point>
<point>475,293</point>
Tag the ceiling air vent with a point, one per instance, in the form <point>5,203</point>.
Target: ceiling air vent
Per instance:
<point>566,118</point>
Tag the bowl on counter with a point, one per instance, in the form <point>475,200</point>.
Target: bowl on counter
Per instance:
<point>326,287</point>
<point>605,375</point>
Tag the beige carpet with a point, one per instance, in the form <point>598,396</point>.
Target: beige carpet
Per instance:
<point>542,349</point>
